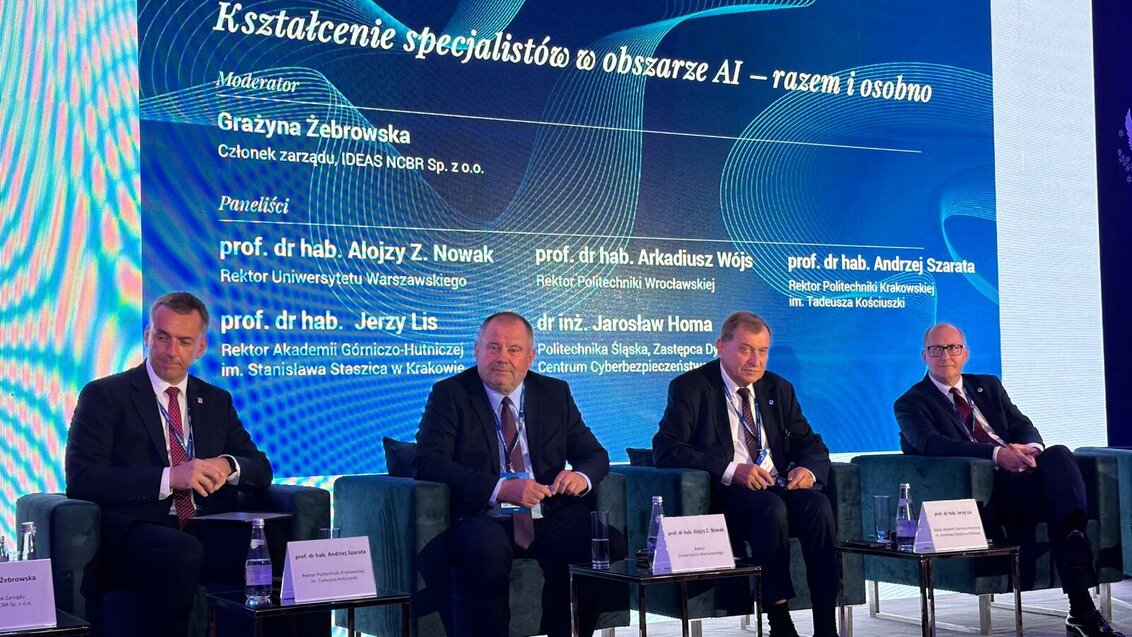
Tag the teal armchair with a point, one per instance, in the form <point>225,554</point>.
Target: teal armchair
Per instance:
<point>1123,477</point>
<point>69,532</point>
<point>405,520</point>
<point>687,492</point>
<point>950,478</point>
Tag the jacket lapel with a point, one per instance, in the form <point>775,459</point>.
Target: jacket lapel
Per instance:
<point>982,400</point>
<point>481,406</point>
<point>771,427</point>
<point>532,421</point>
<point>945,404</point>
<point>148,411</point>
<point>203,446</point>
<point>718,405</point>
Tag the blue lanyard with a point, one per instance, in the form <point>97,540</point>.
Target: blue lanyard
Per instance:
<point>185,442</point>
<point>508,448</point>
<point>758,429</point>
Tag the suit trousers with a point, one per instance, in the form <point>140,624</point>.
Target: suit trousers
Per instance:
<point>481,549</point>
<point>1053,493</point>
<point>164,564</point>
<point>766,520</point>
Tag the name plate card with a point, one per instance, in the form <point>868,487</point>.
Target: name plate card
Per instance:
<point>692,543</point>
<point>325,570</point>
<point>949,525</point>
<point>27,597</point>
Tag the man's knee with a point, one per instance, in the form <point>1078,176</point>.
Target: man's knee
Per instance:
<point>481,544</point>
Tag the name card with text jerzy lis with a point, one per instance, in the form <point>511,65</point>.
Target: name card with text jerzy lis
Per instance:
<point>27,598</point>
<point>692,543</point>
<point>324,570</point>
<point>949,525</point>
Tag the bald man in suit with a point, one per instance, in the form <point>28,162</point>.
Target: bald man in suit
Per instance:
<point>950,413</point>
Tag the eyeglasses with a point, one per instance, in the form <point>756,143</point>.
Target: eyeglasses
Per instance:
<point>935,351</point>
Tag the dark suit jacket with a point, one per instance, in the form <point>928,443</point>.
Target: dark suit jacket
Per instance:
<point>458,444</point>
<point>930,425</point>
<point>116,446</point>
<point>695,432</point>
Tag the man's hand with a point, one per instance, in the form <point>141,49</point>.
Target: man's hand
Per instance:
<point>1029,450</point>
<point>751,476</point>
<point>568,483</point>
<point>523,492</point>
<point>203,475</point>
<point>1016,458</point>
<point>799,478</point>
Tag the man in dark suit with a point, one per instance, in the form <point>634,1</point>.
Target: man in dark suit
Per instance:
<point>154,447</point>
<point>500,437</point>
<point>743,425</point>
<point>950,413</point>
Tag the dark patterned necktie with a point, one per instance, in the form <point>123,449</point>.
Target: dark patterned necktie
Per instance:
<point>182,500</point>
<point>968,416</point>
<point>522,520</point>
<point>754,444</point>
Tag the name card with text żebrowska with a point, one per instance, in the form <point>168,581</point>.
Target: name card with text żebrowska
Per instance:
<point>692,543</point>
<point>27,597</point>
<point>949,525</point>
<point>324,570</point>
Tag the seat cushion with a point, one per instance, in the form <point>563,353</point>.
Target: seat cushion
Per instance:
<point>399,457</point>
<point>639,457</point>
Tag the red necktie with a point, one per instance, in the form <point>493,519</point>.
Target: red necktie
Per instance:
<point>754,446</point>
<point>182,500</point>
<point>968,416</point>
<point>523,522</point>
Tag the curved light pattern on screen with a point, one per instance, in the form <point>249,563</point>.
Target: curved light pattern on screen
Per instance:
<point>70,274</point>
<point>581,179</point>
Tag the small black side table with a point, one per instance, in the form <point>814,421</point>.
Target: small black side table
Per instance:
<point>236,602</point>
<point>629,571</point>
<point>927,587</point>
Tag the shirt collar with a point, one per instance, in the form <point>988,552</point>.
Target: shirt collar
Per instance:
<point>159,384</point>
<point>496,398</point>
<point>945,388</point>
<point>733,386</point>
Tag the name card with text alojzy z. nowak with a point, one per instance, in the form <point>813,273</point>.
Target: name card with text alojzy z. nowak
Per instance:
<point>325,570</point>
<point>692,543</point>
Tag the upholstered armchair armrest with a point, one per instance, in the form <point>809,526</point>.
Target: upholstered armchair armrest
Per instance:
<point>685,492</point>
<point>1100,471</point>
<point>69,532</point>
<point>932,478</point>
<point>403,518</point>
<point>844,493</point>
<point>611,496</point>
<point>309,506</point>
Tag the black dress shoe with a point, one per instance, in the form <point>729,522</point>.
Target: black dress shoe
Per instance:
<point>1093,625</point>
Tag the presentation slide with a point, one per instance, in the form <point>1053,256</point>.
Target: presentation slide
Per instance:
<point>355,187</point>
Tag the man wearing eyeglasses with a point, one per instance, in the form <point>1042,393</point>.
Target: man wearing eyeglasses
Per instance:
<point>950,413</point>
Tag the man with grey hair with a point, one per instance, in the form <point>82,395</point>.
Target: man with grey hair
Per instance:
<point>743,425</point>
<point>154,447</point>
<point>950,413</point>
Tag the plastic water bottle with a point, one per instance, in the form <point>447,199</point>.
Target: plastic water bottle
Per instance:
<point>26,549</point>
<point>655,517</point>
<point>905,520</point>
<point>257,569</point>
<point>3,550</point>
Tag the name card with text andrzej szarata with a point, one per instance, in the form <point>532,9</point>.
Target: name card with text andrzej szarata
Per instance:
<point>27,598</point>
<point>692,543</point>
<point>324,570</point>
<point>949,525</point>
